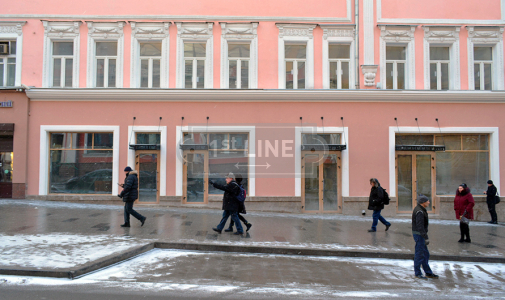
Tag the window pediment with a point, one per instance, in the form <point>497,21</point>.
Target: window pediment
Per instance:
<point>150,30</point>
<point>485,35</point>
<point>441,34</point>
<point>397,33</point>
<point>112,30</point>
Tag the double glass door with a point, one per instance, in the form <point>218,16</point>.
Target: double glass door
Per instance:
<point>321,173</point>
<point>415,176</point>
<point>148,167</point>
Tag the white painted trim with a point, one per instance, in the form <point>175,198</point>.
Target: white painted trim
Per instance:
<point>368,29</point>
<point>338,35</point>
<point>14,30</point>
<point>44,151</point>
<point>106,32</point>
<point>60,31</point>
<point>163,151</point>
<point>344,157</point>
<point>179,153</point>
<point>493,38</point>
<point>239,32</point>
<point>296,33</point>
<point>149,32</point>
<point>195,32</point>
<point>434,36</point>
<point>439,21</point>
<point>399,36</point>
<point>494,150</point>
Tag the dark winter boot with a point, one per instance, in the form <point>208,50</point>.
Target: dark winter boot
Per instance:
<point>125,225</point>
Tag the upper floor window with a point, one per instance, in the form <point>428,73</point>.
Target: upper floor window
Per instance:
<point>106,64</point>
<point>7,63</point>
<point>483,65</point>
<point>194,65</point>
<point>238,64</point>
<point>339,60</point>
<point>395,67</point>
<point>295,60</point>
<point>63,60</point>
<point>150,64</point>
<point>439,68</point>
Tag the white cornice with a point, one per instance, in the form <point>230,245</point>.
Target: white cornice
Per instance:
<point>218,95</point>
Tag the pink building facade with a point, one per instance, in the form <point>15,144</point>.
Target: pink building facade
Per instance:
<point>305,101</point>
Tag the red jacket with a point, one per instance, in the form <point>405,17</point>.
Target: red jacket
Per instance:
<point>464,202</point>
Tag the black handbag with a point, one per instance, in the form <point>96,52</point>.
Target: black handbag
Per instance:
<point>497,198</point>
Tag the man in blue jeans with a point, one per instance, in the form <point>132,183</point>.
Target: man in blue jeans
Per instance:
<point>230,203</point>
<point>376,204</point>
<point>420,233</point>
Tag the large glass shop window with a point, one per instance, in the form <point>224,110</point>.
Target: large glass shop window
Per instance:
<point>80,163</point>
<point>228,152</point>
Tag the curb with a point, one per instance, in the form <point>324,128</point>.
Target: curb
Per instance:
<point>103,263</point>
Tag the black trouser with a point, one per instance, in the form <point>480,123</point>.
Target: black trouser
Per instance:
<point>241,219</point>
<point>128,210</point>
<point>464,230</point>
<point>491,206</point>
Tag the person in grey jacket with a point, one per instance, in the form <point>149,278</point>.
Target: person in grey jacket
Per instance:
<point>420,233</point>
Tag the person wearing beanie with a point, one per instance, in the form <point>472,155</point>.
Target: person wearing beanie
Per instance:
<point>129,194</point>
<point>420,233</point>
<point>463,207</point>
<point>491,201</point>
<point>230,203</point>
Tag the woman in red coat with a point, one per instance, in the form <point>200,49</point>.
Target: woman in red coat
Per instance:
<point>463,206</point>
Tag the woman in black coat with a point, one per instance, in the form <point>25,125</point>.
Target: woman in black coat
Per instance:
<point>491,201</point>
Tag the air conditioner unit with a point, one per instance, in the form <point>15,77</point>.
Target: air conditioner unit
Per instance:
<point>4,48</point>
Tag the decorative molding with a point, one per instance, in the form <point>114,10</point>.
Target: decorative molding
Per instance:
<point>369,74</point>
<point>149,32</point>
<point>402,35</point>
<point>241,32</point>
<point>501,21</point>
<point>302,33</point>
<point>13,30</point>
<point>443,36</point>
<point>190,31</point>
<point>338,34</point>
<point>276,95</point>
<point>54,31</point>
<point>368,32</point>
<point>108,31</point>
<point>487,36</point>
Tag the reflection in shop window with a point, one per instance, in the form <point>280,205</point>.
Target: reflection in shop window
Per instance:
<point>81,163</point>
<point>6,166</point>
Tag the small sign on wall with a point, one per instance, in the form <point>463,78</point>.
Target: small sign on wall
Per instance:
<point>5,104</point>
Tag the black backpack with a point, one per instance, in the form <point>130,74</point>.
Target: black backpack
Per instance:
<point>385,198</point>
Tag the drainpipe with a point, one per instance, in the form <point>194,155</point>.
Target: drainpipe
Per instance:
<point>356,39</point>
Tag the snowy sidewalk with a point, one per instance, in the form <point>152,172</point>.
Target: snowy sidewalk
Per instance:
<point>57,235</point>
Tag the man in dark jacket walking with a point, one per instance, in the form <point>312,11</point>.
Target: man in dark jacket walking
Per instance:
<point>230,203</point>
<point>129,194</point>
<point>491,201</point>
<point>420,233</point>
<point>376,204</point>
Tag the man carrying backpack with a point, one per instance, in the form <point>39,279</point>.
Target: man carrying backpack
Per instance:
<point>241,206</point>
<point>230,203</point>
<point>376,203</point>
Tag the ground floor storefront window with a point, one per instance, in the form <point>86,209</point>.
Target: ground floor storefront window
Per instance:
<point>80,163</point>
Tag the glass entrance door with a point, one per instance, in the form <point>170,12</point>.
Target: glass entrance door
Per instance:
<point>415,176</point>
<point>195,177</point>
<point>321,182</point>
<point>148,168</point>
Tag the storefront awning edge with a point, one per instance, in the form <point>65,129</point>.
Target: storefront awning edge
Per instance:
<point>218,95</point>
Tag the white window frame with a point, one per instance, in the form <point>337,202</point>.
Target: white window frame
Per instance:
<point>403,36</point>
<point>395,67</point>
<point>60,32</point>
<point>486,36</point>
<point>105,32</point>
<point>494,147</point>
<point>13,31</point>
<point>482,73</point>
<point>195,33</point>
<point>296,34</point>
<point>150,32</point>
<point>45,139</point>
<point>334,34</point>
<point>243,33</point>
<point>443,36</point>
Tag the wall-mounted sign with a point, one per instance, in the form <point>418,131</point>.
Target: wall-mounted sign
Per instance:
<point>6,104</point>
<point>324,147</point>
<point>419,148</point>
<point>145,147</point>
